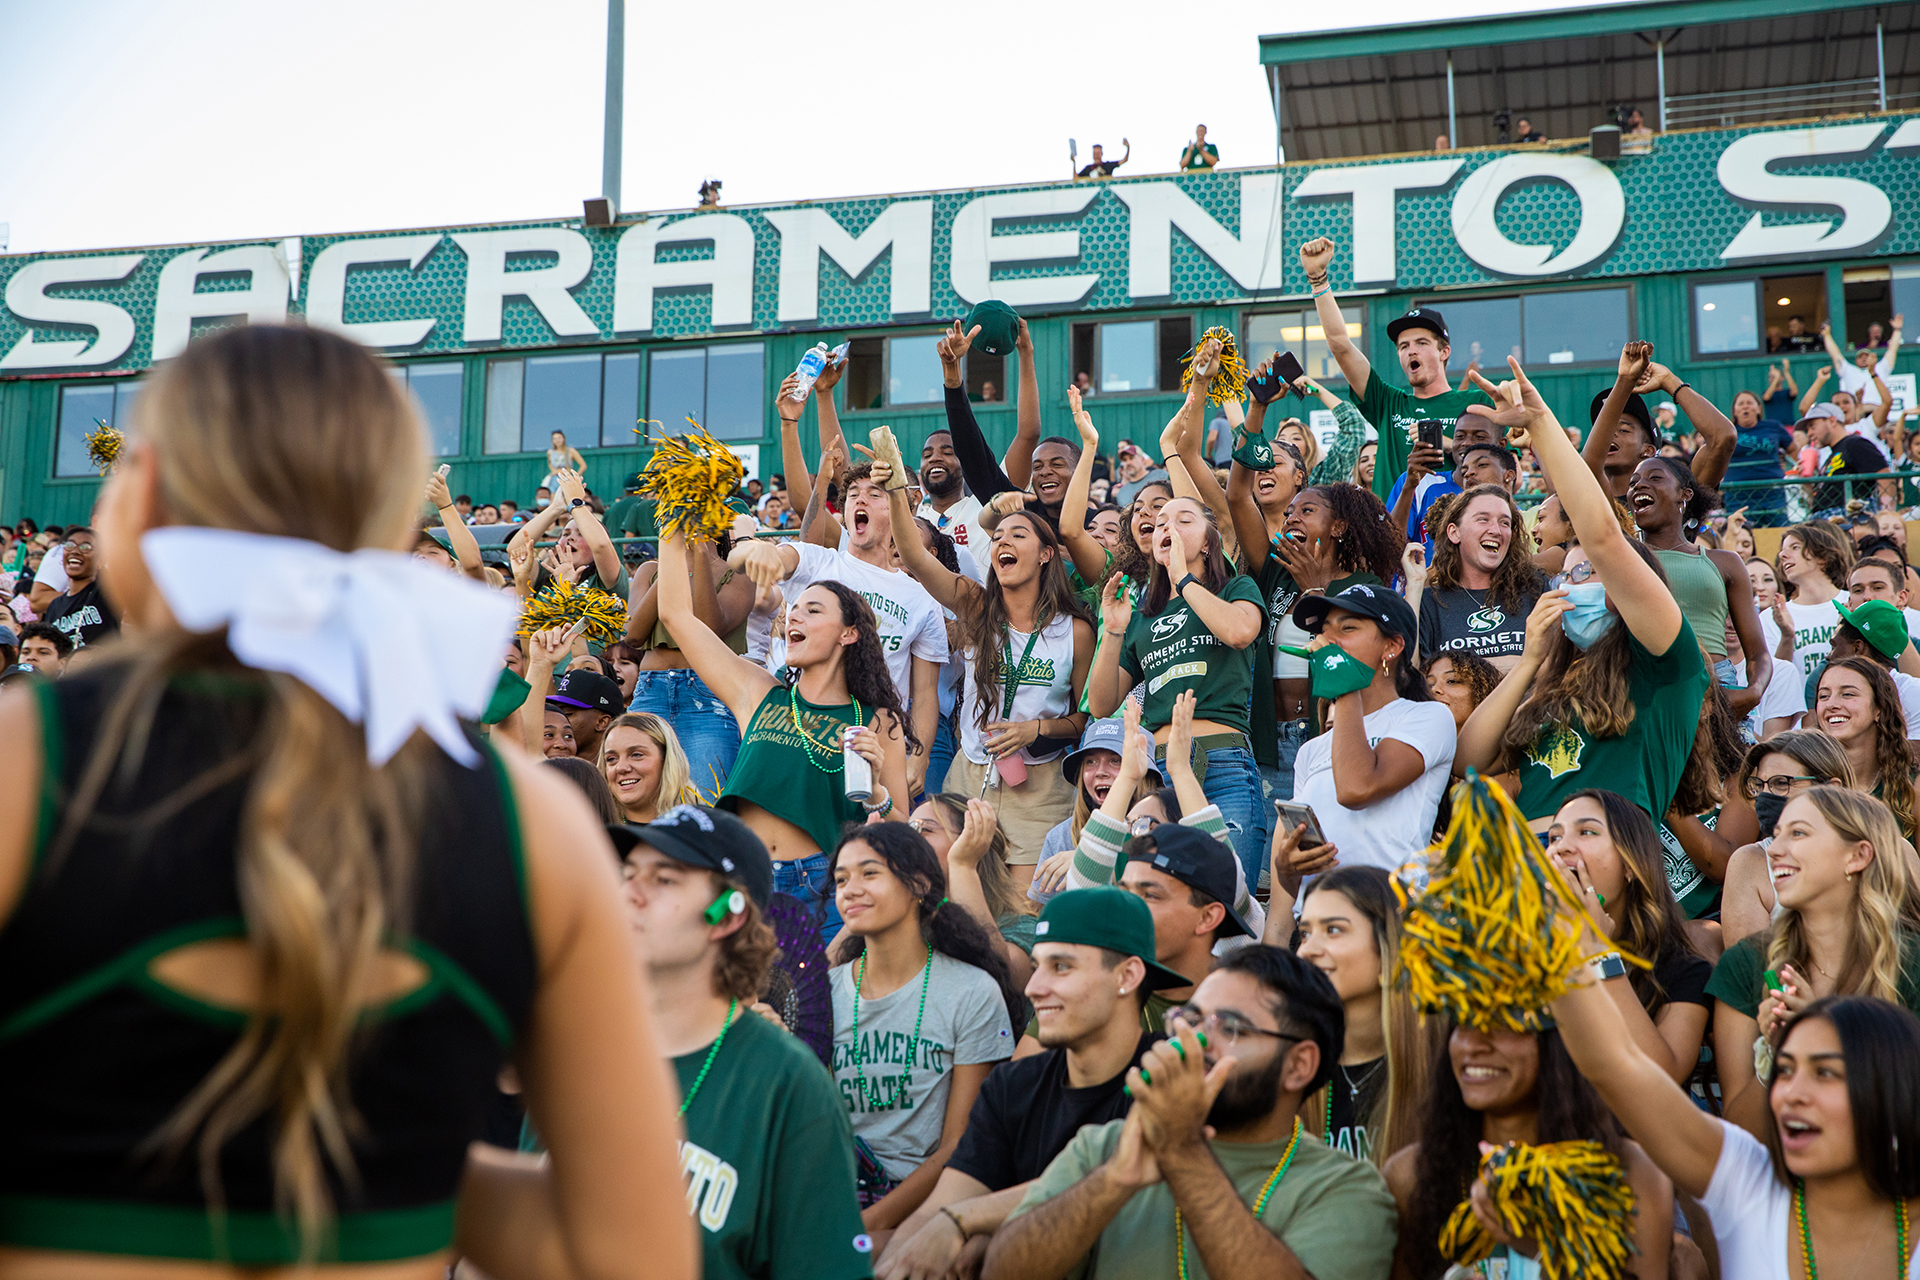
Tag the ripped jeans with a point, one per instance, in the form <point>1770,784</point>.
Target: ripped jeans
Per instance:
<point>707,731</point>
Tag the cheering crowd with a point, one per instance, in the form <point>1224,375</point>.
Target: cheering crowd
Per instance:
<point>1015,848</point>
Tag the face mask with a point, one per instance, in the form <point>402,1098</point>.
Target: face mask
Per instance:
<point>1335,672</point>
<point>1767,807</point>
<point>541,502</point>
<point>1589,619</point>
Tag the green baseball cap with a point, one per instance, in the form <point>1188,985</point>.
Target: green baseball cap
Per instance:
<point>1110,918</point>
<point>999,326</point>
<point>1880,623</point>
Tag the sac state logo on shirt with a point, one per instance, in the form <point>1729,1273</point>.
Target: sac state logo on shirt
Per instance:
<point>1485,620</point>
<point>1168,625</point>
<point>1559,752</point>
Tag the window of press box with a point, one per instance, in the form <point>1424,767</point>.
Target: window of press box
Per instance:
<point>723,389</point>
<point>438,391</point>
<point>1123,356</point>
<point>593,399</point>
<point>1775,315</point>
<point>1299,331</point>
<point>1875,295</point>
<point>1574,326</point>
<point>883,372</point>
<point>84,406</point>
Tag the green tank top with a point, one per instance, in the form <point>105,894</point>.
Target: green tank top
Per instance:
<point>776,766</point>
<point>1701,593</point>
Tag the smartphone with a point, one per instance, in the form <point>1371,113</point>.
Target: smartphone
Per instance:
<point>1287,368</point>
<point>445,467</point>
<point>1432,431</point>
<point>1292,815</point>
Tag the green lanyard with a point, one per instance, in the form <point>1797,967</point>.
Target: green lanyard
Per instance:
<point>1010,680</point>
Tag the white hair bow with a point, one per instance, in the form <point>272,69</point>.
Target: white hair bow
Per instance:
<point>393,644</point>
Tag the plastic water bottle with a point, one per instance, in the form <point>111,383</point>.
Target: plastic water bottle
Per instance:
<point>856,770</point>
<point>811,365</point>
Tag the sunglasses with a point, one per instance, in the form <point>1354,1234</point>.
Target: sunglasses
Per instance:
<point>1582,572</point>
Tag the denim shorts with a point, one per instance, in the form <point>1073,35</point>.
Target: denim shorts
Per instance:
<point>707,731</point>
<point>806,880</point>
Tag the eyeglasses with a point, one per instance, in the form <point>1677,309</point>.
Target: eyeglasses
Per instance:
<point>1225,1028</point>
<point>80,546</point>
<point>1143,824</point>
<point>1780,784</point>
<point>1581,572</point>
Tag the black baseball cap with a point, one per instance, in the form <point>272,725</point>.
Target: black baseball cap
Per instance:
<point>710,839</point>
<point>1383,604</point>
<point>1636,408</point>
<point>1419,318</point>
<point>589,690</point>
<point>1110,918</point>
<point>1196,860</point>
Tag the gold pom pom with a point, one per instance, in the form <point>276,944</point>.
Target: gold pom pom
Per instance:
<point>690,477</point>
<point>103,445</point>
<point>1571,1198</point>
<point>1487,942</point>
<point>562,604</point>
<point>1230,378</point>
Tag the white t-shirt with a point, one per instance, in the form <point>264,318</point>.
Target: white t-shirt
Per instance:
<point>911,624</point>
<point>964,1023</point>
<point>1042,691</point>
<point>1858,383</point>
<point>1909,687</point>
<point>1813,628</point>
<point>1394,829</point>
<point>1785,694</point>
<point>1752,1213</point>
<point>53,569</point>
<point>962,523</point>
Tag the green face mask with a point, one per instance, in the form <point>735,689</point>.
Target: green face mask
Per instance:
<point>1335,671</point>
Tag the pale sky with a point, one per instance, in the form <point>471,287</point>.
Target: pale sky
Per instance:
<point>140,122</point>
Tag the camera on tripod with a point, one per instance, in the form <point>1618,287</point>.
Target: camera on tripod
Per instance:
<point>1623,115</point>
<point>1503,122</point>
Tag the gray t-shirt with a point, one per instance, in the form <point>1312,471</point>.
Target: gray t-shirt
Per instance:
<point>1455,618</point>
<point>1124,491</point>
<point>965,1023</point>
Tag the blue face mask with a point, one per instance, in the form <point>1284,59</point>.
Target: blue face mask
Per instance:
<point>1589,619</point>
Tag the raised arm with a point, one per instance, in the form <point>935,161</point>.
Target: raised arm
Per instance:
<point>1179,766</point>
<point>1746,625</point>
<point>1350,435</point>
<point>831,464</point>
<point>545,651</point>
<point>1634,589</point>
<point>1812,397</point>
<point>606,560</point>
<point>1180,438</point>
<point>460,539</point>
<point>535,529</point>
<point>1235,623</point>
<point>1316,256</point>
<point>977,466</point>
<point>1480,737</point>
<point>1249,526</point>
<point>1879,411</point>
<point>792,458</point>
<point>1834,353</point>
<point>1717,435</point>
<point>734,680</point>
<point>1108,685</point>
<point>1635,359</point>
<point>952,590</point>
<point>1018,463</point>
<point>1089,557</point>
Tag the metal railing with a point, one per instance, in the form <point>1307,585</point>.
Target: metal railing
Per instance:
<point>1864,489</point>
<point>1833,97</point>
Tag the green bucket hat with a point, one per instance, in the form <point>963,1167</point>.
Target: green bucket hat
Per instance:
<point>1880,624</point>
<point>999,326</point>
<point>1110,918</point>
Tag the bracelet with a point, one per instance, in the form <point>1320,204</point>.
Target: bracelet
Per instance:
<point>1180,587</point>
<point>1685,386</point>
<point>1116,634</point>
<point>1321,290</point>
<point>959,1225</point>
<point>1313,591</point>
<point>884,807</point>
<point>1322,280</point>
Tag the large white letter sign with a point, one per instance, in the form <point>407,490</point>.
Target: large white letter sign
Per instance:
<point>27,298</point>
<point>490,284</point>
<point>177,305</point>
<point>1865,209</point>
<point>327,288</point>
<point>975,248</point>
<point>729,272</point>
<point>1253,258</point>
<point>1375,190</point>
<point>905,227</point>
<point>1603,211</point>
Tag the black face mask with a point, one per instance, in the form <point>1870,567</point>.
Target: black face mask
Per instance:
<point>1767,807</point>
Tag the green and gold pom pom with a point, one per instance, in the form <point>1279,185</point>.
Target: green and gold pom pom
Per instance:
<point>103,445</point>
<point>1488,942</point>
<point>562,604</point>
<point>1571,1198</point>
<point>1230,379</point>
<point>690,478</point>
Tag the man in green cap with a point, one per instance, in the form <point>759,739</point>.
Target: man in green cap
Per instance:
<point>1877,631</point>
<point>1093,967</point>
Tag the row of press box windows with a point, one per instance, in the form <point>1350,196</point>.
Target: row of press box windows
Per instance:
<point>594,397</point>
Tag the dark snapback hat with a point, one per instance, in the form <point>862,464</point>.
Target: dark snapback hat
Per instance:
<point>1196,860</point>
<point>711,839</point>
<point>1383,604</point>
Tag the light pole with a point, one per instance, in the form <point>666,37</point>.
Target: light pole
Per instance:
<point>603,211</point>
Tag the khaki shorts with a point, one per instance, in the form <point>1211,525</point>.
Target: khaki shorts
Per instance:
<point>1027,812</point>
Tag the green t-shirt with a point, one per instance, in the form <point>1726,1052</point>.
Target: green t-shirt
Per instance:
<point>1173,651</point>
<point>776,771</point>
<point>1644,763</point>
<point>1017,927</point>
<point>1395,414</point>
<point>1207,150</point>
<point>1332,1211</point>
<point>768,1160</point>
<point>1739,979</point>
<point>631,516</point>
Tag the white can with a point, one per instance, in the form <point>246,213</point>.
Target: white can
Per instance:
<point>857,772</point>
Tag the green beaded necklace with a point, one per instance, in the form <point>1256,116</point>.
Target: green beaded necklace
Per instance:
<point>913,1046</point>
<point>1806,1233</point>
<point>711,1055</point>
<point>839,760</point>
<point>1259,1205</point>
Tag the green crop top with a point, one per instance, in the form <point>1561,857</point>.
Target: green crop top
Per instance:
<point>777,770</point>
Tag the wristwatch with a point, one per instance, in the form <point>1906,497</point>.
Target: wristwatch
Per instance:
<point>576,502</point>
<point>1608,965</point>
<point>1180,587</point>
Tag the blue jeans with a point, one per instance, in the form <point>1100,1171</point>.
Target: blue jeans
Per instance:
<point>707,731</point>
<point>940,755</point>
<point>806,880</point>
<point>1233,783</point>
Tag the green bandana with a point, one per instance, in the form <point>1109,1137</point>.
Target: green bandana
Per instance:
<point>1336,672</point>
<point>1255,454</point>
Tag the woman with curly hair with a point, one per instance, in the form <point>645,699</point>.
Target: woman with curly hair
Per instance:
<point>1611,680</point>
<point>646,768</point>
<point>1461,680</point>
<point>1857,706</point>
<point>786,783</point>
<point>1483,584</point>
<point>1711,587</point>
<point>920,983</point>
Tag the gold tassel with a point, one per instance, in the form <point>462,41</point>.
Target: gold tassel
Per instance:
<point>1230,379</point>
<point>562,604</point>
<point>103,445</point>
<point>690,477</point>
<point>1487,942</point>
<point>1572,1199</point>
